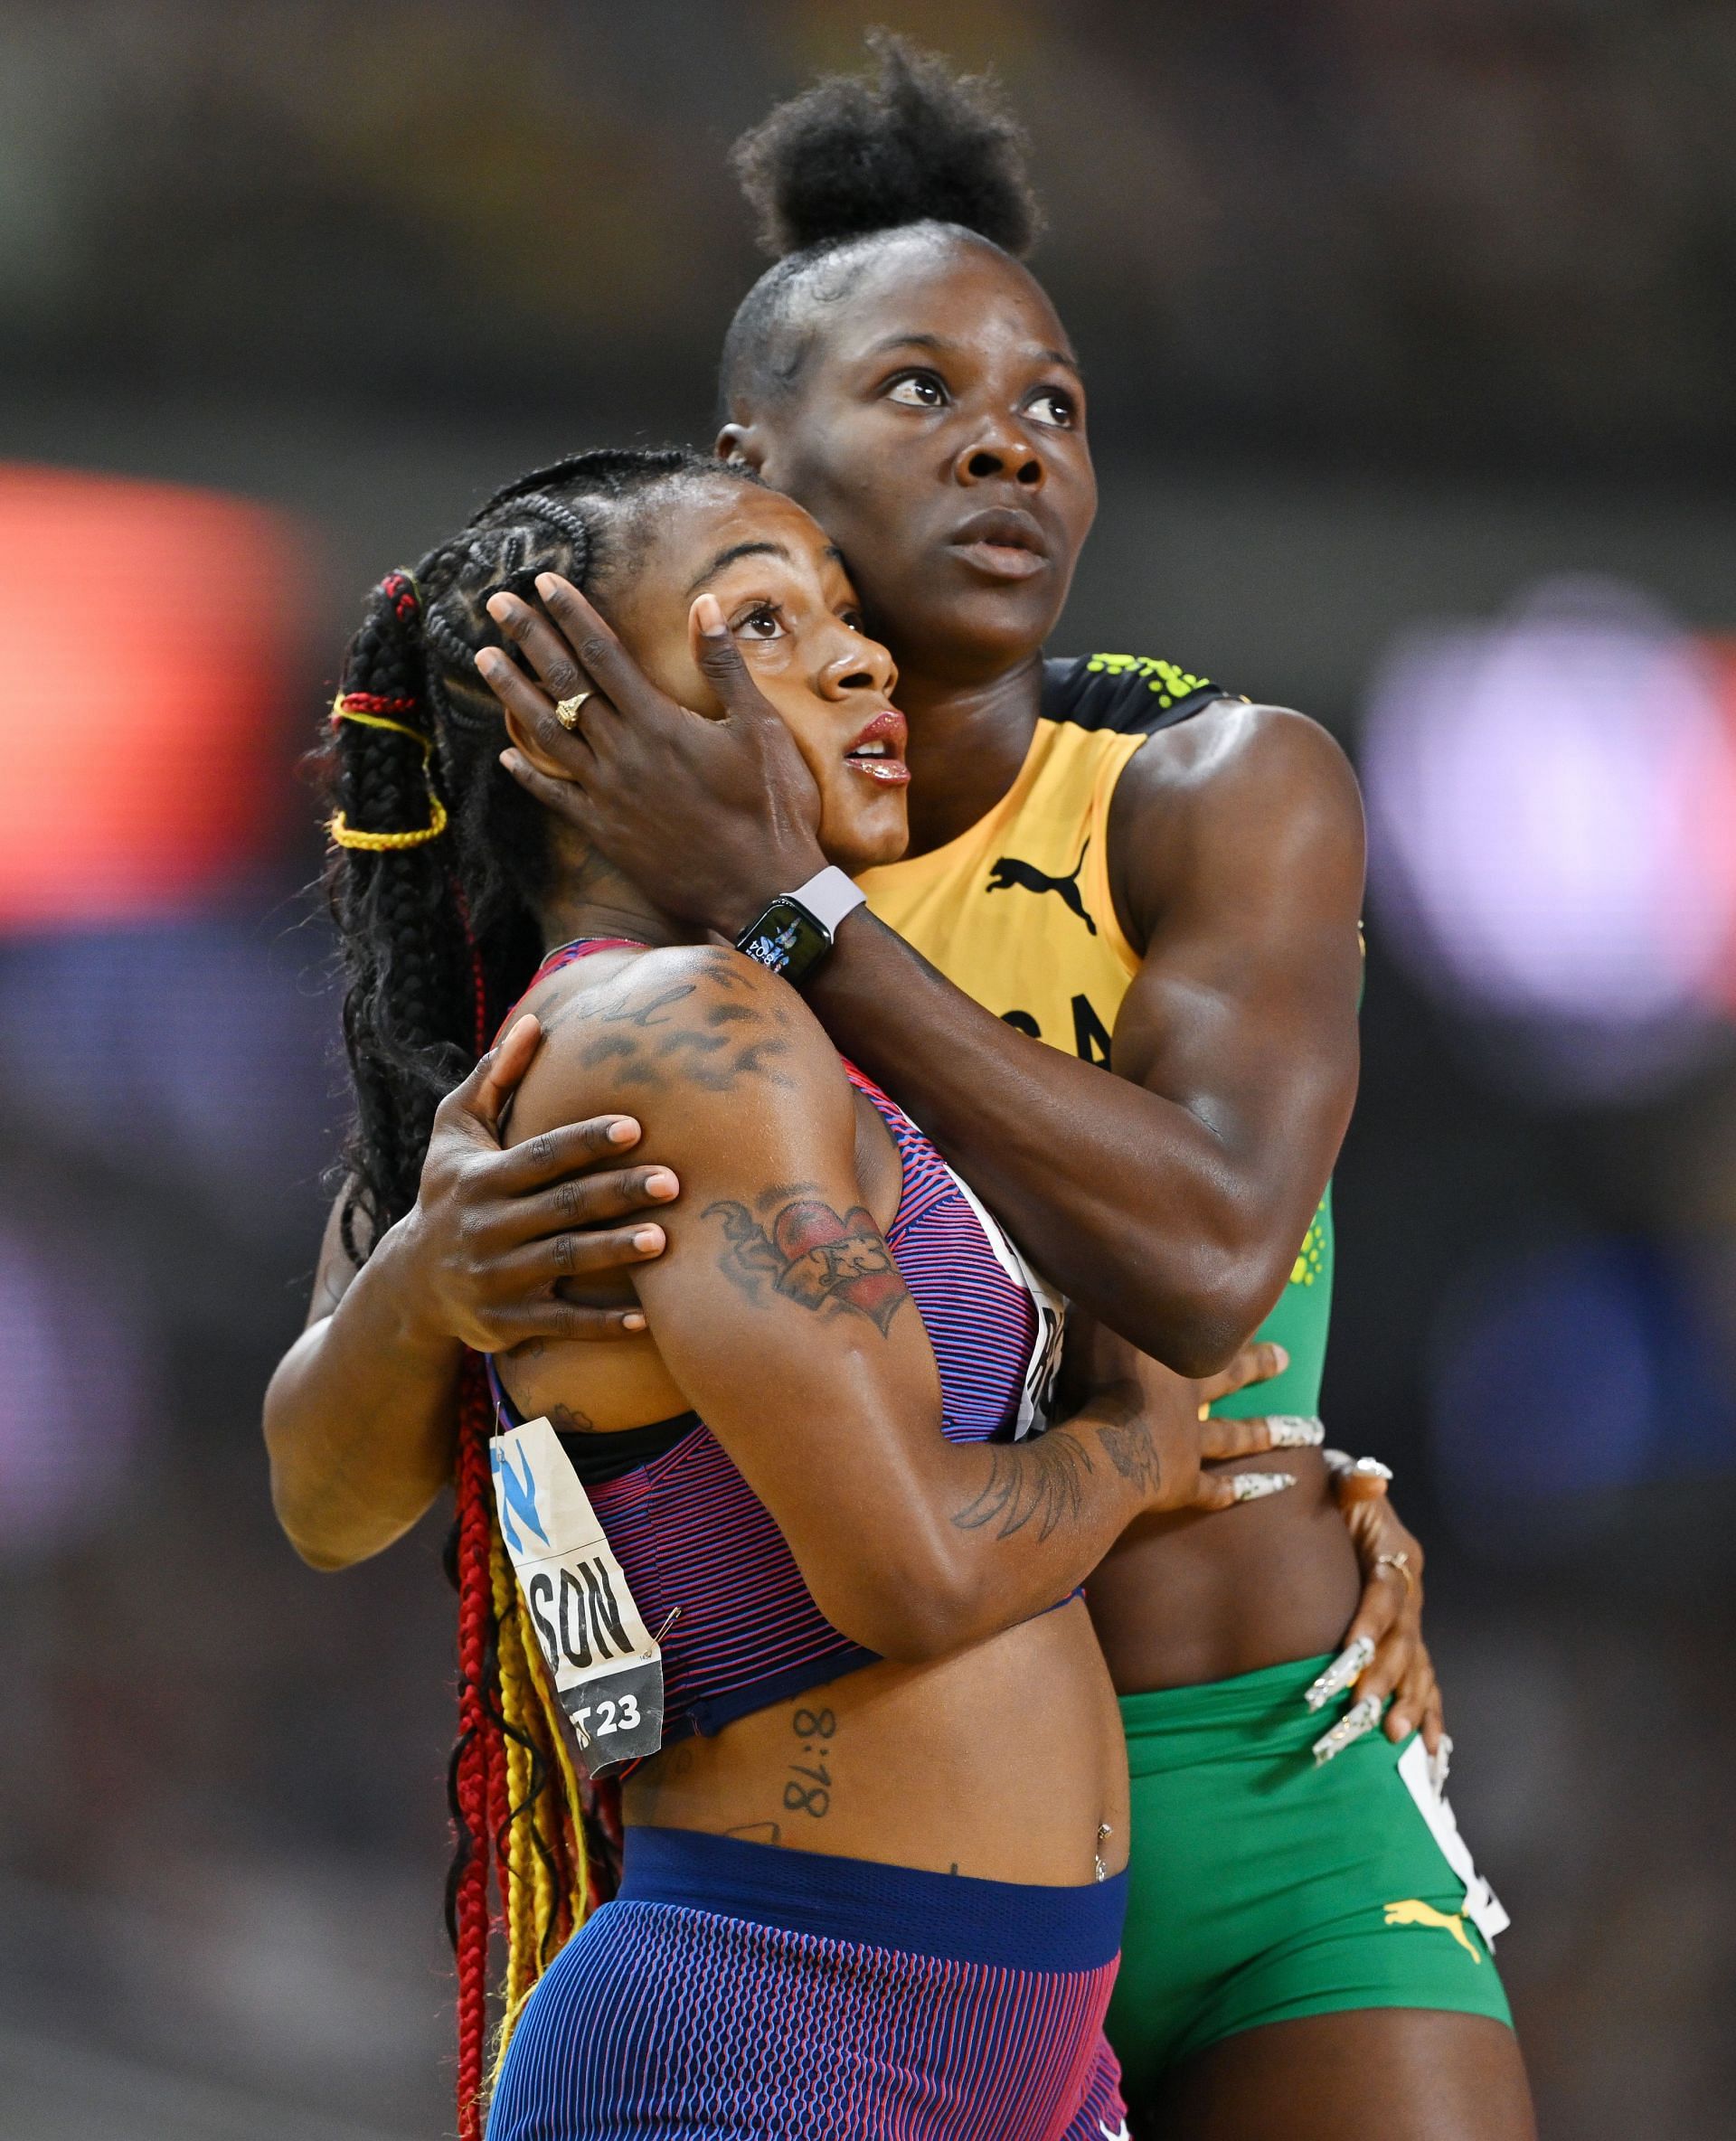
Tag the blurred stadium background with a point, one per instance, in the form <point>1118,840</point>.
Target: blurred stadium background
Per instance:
<point>1410,330</point>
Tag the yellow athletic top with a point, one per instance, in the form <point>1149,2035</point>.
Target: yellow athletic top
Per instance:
<point>1018,912</point>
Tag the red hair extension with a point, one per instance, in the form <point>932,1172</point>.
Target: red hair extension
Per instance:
<point>476,1731</point>
<point>369,703</point>
<point>400,590</point>
<point>478,986</point>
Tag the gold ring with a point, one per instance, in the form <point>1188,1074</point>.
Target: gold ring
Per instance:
<point>566,710</point>
<point>1402,1563</point>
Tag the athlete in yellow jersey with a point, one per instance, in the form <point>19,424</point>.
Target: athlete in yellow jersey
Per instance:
<point>1018,911</point>
<point>1163,898</point>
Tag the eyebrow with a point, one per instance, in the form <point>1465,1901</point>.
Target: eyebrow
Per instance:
<point>728,556</point>
<point>940,343</point>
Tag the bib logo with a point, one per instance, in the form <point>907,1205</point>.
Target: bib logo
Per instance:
<point>520,1498</point>
<point>1009,873</point>
<point>1413,1912</point>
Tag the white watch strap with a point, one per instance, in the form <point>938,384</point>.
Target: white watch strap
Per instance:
<point>829,896</point>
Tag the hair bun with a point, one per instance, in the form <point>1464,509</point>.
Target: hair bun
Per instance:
<point>850,156</point>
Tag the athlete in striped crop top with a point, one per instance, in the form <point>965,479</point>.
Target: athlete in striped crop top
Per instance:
<point>873,1879</point>
<point>1156,887</point>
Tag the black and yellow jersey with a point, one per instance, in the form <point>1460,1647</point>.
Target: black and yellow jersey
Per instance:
<point>1018,912</point>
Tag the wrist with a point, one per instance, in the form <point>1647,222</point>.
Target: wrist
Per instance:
<point>401,1272</point>
<point>772,873</point>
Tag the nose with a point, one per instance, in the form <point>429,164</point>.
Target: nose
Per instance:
<point>858,664</point>
<point>1002,453</point>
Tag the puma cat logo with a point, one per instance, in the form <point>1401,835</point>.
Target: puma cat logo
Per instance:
<point>1413,1912</point>
<point>1009,871</point>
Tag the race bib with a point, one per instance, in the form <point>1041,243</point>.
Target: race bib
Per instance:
<point>606,1667</point>
<point>1482,1905</point>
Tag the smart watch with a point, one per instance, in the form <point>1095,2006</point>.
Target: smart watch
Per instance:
<point>796,932</point>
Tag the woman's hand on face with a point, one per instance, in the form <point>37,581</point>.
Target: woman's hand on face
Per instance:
<point>1387,1632</point>
<point>1164,1429</point>
<point>494,1235</point>
<point>719,816</point>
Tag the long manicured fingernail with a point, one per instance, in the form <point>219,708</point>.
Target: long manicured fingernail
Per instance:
<point>1339,1674</point>
<point>649,1238</point>
<point>1362,1718</point>
<point>1292,1430</point>
<point>1254,1486</point>
<point>633,1321</point>
<point>709,613</point>
<point>661,1184</point>
<point>623,1131</point>
<point>1439,1762</point>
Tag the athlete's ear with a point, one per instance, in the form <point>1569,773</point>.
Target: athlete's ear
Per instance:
<point>743,444</point>
<point>524,738</point>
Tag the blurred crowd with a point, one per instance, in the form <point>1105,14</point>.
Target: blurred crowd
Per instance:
<point>1409,331</point>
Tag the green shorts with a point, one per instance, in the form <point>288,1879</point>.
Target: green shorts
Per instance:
<point>1262,1887</point>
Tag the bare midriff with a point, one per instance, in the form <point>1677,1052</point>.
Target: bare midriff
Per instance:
<point>1183,1600</point>
<point>1005,1762</point>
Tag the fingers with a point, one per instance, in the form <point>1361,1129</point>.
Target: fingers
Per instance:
<point>566,798</point>
<point>502,1067</point>
<point>1360,1718</point>
<point>1224,1490</point>
<point>591,1200</point>
<point>554,1318</point>
<point>605,662</point>
<point>541,644</point>
<point>1254,1363</point>
<point>532,705</point>
<point>720,659</point>
<point>1338,1675</point>
<point>1378,1613</point>
<point>479,1098</point>
<point>541,1265</point>
<point>1222,1439</point>
<point>1416,1692</point>
<point>567,1155</point>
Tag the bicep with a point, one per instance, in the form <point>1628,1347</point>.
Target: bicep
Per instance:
<point>1244,1006</point>
<point>778,1309</point>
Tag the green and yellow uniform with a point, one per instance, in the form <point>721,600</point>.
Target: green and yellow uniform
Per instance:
<point>1260,1887</point>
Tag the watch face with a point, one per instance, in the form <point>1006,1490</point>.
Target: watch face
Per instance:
<point>786,938</point>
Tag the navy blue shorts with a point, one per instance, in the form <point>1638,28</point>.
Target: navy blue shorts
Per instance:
<point>740,1990</point>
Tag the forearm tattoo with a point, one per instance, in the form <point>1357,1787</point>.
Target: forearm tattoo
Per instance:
<point>813,1255</point>
<point>1042,1480</point>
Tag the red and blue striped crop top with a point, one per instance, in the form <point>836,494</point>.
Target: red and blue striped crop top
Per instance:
<point>697,1543</point>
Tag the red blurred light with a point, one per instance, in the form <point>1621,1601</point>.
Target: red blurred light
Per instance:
<point>145,628</point>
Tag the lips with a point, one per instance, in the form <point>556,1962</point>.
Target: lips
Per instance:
<point>879,751</point>
<point>1001,542</point>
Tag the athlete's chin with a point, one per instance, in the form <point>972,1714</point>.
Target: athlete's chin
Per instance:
<point>858,835</point>
<point>990,623</point>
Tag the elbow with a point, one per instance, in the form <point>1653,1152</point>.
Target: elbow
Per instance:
<point>1199,1328</point>
<point>313,1542</point>
<point>910,1614</point>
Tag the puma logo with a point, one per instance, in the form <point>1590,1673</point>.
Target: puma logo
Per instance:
<point>1412,1913</point>
<point>1009,871</point>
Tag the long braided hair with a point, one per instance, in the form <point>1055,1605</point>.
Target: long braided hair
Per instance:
<point>436,862</point>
